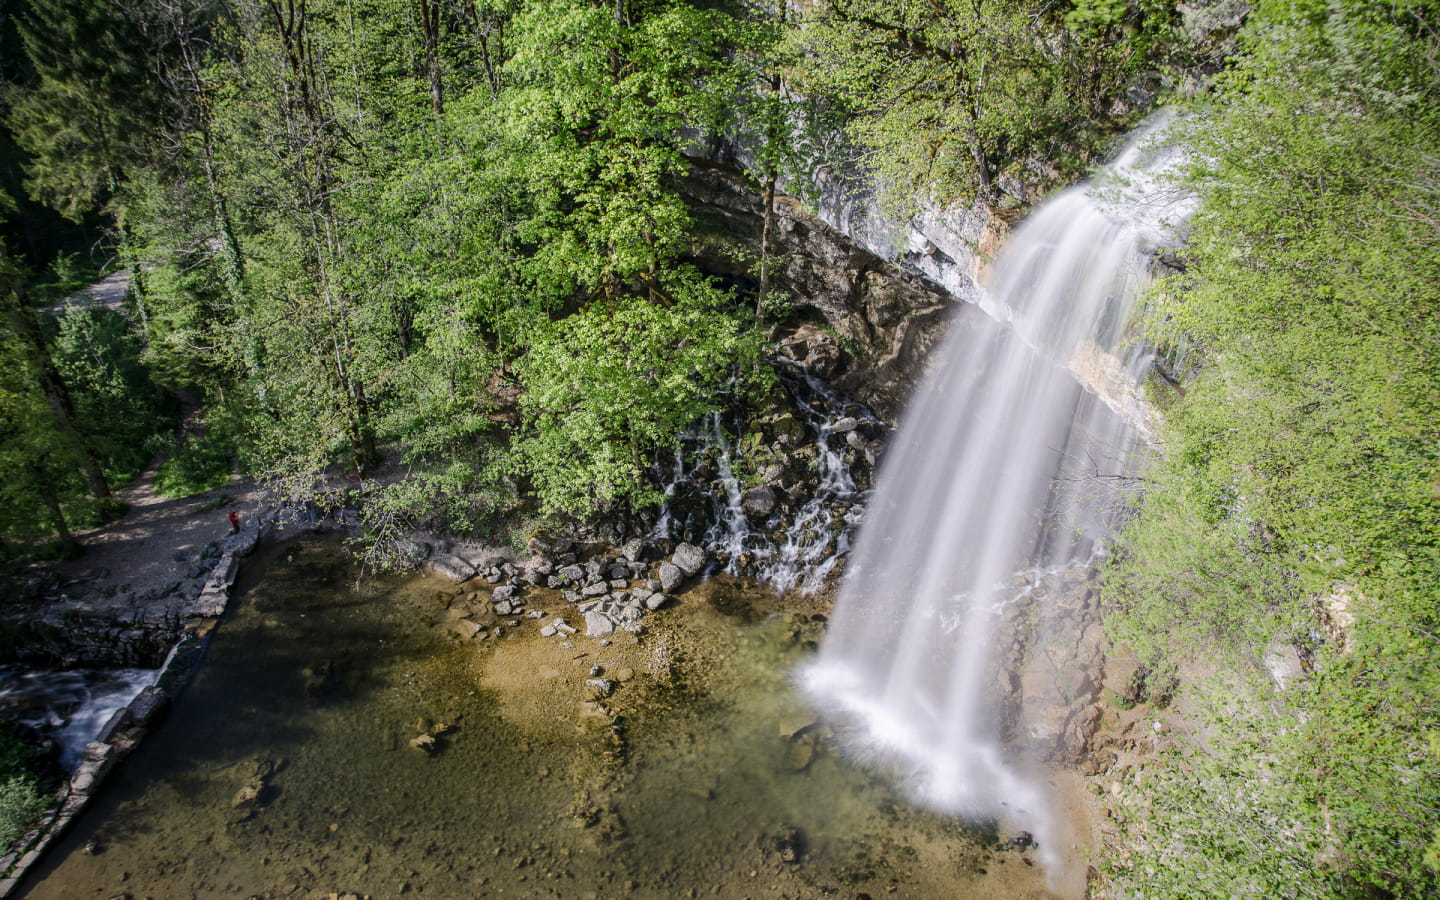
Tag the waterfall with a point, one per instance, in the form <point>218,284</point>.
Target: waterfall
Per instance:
<point>1006,463</point>
<point>704,494</point>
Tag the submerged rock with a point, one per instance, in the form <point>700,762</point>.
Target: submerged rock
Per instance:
<point>787,843</point>
<point>465,628</point>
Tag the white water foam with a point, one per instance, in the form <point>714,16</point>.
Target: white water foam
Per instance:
<point>70,707</point>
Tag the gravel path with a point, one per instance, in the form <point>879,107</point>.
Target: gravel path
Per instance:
<point>139,551</point>
<point>108,292</point>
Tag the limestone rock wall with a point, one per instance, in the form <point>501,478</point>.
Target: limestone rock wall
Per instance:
<point>874,313</point>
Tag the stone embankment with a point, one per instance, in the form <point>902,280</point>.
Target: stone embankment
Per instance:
<point>165,628</point>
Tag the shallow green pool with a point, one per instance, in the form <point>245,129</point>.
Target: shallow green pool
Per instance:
<point>286,769</point>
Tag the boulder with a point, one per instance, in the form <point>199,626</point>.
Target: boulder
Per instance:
<point>538,571</point>
<point>597,589</point>
<point>759,502</point>
<point>243,543</point>
<point>147,706</point>
<point>670,577</point>
<point>655,601</point>
<point>573,573</point>
<point>689,559</point>
<point>845,425</point>
<point>597,624</point>
<point>542,544</point>
<point>1283,662</point>
<point>633,550</point>
<point>505,593</point>
<point>454,568</point>
<point>412,550</point>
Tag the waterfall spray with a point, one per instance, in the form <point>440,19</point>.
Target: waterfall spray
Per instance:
<point>1001,468</point>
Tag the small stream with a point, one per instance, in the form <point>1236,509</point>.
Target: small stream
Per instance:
<point>286,768</point>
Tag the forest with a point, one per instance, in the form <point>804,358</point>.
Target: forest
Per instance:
<point>449,241</point>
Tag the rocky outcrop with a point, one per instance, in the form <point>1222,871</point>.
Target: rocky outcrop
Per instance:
<point>1051,665</point>
<point>882,314</point>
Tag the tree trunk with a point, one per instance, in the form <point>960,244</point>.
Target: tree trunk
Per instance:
<point>68,544</point>
<point>767,232</point>
<point>52,386</point>
<point>430,36</point>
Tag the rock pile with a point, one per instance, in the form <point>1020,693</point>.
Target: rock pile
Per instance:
<point>610,591</point>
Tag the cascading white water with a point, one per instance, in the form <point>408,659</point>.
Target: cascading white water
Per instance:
<point>69,707</point>
<point>798,555</point>
<point>1003,465</point>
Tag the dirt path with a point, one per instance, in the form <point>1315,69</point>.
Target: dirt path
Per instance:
<point>157,540</point>
<point>108,292</point>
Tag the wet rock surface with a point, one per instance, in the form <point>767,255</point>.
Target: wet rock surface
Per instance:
<point>775,494</point>
<point>881,319</point>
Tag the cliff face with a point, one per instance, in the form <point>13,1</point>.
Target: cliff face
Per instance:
<point>878,295</point>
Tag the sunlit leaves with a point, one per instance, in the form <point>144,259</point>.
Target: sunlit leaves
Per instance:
<point>606,387</point>
<point>1300,469</point>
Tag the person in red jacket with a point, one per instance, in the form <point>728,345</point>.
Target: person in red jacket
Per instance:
<point>234,522</point>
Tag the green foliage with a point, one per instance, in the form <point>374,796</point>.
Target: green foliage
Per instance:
<point>27,776</point>
<point>68,274</point>
<point>89,116</point>
<point>20,804</point>
<point>33,457</point>
<point>1299,496</point>
<point>606,387</point>
<point>98,355</point>
<point>379,222</point>
<point>196,464</point>
<point>946,96</point>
